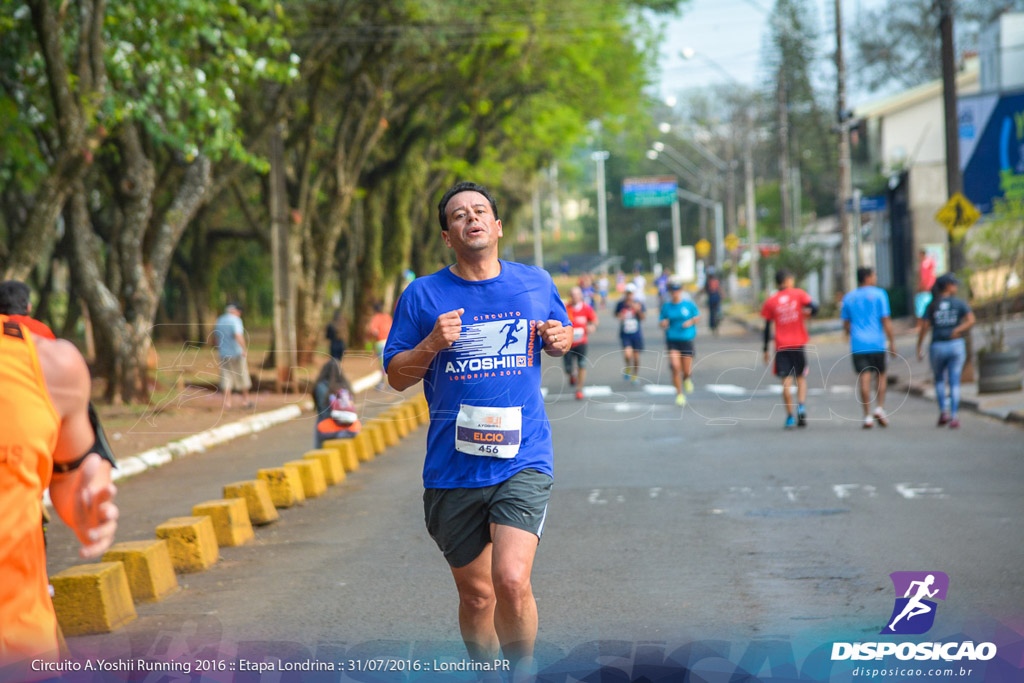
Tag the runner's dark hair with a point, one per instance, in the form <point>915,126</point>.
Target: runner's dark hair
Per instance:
<point>14,298</point>
<point>781,275</point>
<point>863,273</point>
<point>464,186</point>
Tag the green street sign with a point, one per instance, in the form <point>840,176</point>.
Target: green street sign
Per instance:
<point>649,191</point>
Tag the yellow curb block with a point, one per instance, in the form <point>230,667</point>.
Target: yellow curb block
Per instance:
<point>375,437</point>
<point>347,450</point>
<point>311,473</point>
<point>421,411</point>
<point>230,519</point>
<point>92,598</point>
<point>192,542</point>
<point>363,447</point>
<point>148,566</point>
<point>395,416</point>
<point>330,460</point>
<point>409,411</point>
<point>285,486</point>
<point>258,503</point>
<point>388,429</point>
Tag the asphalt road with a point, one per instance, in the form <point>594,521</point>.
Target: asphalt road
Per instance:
<point>667,525</point>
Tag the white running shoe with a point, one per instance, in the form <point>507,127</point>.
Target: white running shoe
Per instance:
<point>883,419</point>
<point>869,422</point>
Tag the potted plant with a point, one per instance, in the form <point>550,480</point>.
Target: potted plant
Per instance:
<point>997,255</point>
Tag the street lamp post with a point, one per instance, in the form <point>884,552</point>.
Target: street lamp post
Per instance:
<point>689,53</point>
<point>602,203</point>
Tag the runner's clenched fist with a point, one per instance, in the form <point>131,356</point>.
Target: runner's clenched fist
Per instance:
<point>556,336</point>
<point>447,329</point>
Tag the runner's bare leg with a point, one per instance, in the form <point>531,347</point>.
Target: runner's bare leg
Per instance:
<point>476,607</point>
<point>515,614</point>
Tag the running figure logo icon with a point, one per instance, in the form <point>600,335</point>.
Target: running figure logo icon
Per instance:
<point>914,612</point>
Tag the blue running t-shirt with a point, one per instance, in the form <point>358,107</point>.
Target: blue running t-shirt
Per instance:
<point>489,380</point>
<point>865,307</point>
<point>677,314</point>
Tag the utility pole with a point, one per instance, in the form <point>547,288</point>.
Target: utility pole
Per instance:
<point>602,203</point>
<point>784,177</point>
<point>845,179</point>
<point>954,182</point>
<point>748,176</point>
<point>538,244</point>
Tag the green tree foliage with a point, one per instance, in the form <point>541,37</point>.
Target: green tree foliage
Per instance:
<point>898,42</point>
<point>129,104</point>
<point>793,58</point>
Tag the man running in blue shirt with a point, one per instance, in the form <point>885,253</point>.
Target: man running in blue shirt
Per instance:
<point>866,319</point>
<point>488,468</point>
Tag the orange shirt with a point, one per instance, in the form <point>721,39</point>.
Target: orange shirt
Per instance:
<point>29,427</point>
<point>380,326</point>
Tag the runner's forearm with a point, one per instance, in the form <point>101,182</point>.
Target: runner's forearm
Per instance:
<point>408,367</point>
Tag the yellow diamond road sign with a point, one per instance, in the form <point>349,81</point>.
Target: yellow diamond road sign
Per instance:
<point>703,248</point>
<point>732,242</point>
<point>958,215</point>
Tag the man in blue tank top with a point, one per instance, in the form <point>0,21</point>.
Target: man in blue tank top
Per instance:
<point>473,332</point>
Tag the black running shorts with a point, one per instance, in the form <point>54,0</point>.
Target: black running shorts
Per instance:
<point>790,362</point>
<point>459,520</point>
<point>873,362</point>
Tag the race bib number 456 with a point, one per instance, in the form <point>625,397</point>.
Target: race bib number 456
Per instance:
<point>489,432</point>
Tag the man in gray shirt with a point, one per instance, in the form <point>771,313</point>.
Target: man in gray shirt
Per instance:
<point>234,373</point>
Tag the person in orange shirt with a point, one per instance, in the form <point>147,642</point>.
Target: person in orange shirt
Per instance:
<point>378,329</point>
<point>49,439</point>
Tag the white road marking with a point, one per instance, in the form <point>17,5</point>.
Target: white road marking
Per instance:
<point>660,389</point>
<point>595,498</point>
<point>655,490</point>
<point>912,491</point>
<point>598,390</point>
<point>727,389</point>
<point>792,491</point>
<point>745,490</point>
<point>843,491</point>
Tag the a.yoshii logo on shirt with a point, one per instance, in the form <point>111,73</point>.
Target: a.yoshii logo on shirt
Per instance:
<point>493,348</point>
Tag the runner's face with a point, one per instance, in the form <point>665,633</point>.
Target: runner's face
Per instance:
<point>471,223</point>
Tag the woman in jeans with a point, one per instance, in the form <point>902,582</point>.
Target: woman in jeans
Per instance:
<point>949,319</point>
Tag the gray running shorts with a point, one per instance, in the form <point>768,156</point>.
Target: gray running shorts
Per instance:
<point>459,520</point>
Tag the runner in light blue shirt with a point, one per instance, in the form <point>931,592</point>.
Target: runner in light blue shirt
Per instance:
<point>867,320</point>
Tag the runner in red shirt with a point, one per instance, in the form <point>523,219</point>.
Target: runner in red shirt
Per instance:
<point>584,322</point>
<point>787,308</point>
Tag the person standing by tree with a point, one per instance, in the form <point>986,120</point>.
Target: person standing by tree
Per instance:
<point>229,335</point>
<point>488,470</point>
<point>867,321</point>
<point>335,342</point>
<point>378,328</point>
<point>52,440</point>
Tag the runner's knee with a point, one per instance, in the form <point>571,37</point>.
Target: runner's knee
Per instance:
<point>512,584</point>
<point>478,597</point>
